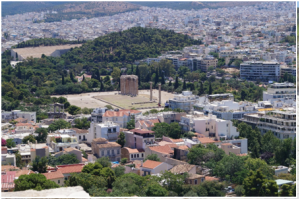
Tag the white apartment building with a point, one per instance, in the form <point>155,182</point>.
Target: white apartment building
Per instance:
<point>227,109</point>
<point>81,134</point>
<point>96,115</point>
<point>209,126</point>
<point>184,101</point>
<point>281,123</point>
<point>258,70</point>
<point>108,130</point>
<point>280,91</point>
<point>121,117</point>
<point>58,142</point>
<point>8,116</point>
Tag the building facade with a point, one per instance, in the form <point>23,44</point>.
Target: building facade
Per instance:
<point>262,71</point>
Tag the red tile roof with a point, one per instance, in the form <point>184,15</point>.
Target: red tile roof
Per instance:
<point>183,147</point>
<point>141,131</point>
<point>226,144</point>
<point>70,169</point>
<point>210,178</point>
<point>53,175</point>
<point>206,140</point>
<point>120,113</point>
<point>176,140</point>
<point>9,177</point>
<point>134,150</point>
<point>162,149</point>
<point>150,164</point>
<point>23,124</point>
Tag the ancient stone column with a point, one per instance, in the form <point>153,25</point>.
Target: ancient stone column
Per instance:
<point>150,91</point>
<point>159,93</point>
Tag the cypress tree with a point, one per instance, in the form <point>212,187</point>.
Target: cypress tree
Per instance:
<point>210,89</point>
<point>98,74</point>
<point>163,78</point>
<point>83,78</point>
<point>156,77</point>
<point>201,90</point>
<point>63,79</point>
<point>71,76</point>
<point>19,74</point>
<point>176,83</point>
<point>170,83</point>
<point>184,85</point>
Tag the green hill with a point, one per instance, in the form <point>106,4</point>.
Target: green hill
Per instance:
<point>134,44</point>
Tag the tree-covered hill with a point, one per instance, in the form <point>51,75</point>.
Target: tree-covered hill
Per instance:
<point>130,45</point>
<point>45,42</point>
<point>40,77</point>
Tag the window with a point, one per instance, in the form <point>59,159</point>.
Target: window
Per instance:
<point>58,181</point>
<point>138,155</point>
<point>79,137</point>
<point>108,152</point>
<point>102,152</point>
<point>134,155</point>
<point>196,182</point>
<point>131,155</point>
<point>113,151</point>
<point>142,155</point>
<point>190,181</point>
<point>66,178</point>
<point>118,151</point>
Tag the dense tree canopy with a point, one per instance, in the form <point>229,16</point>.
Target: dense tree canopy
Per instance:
<point>35,182</point>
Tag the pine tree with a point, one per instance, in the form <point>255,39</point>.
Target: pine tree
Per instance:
<point>210,89</point>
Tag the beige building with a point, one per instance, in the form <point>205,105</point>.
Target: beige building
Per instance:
<point>195,179</point>
<point>56,176</point>
<point>230,148</point>
<point>71,151</point>
<point>132,154</point>
<point>102,148</point>
<point>150,167</point>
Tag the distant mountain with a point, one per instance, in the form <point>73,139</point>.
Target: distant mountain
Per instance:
<point>177,5</point>
<point>14,7</point>
<point>68,10</point>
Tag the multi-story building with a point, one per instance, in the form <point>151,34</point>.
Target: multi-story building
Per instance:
<point>280,91</point>
<point>102,148</point>
<point>211,126</point>
<point>58,142</point>
<point>207,62</point>
<point>288,70</point>
<point>108,130</point>
<point>29,151</point>
<point>81,134</point>
<point>220,97</point>
<point>121,117</point>
<point>184,101</point>
<point>227,109</point>
<point>281,123</point>
<point>8,116</point>
<point>24,128</point>
<point>139,138</point>
<point>258,70</point>
<point>96,115</point>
